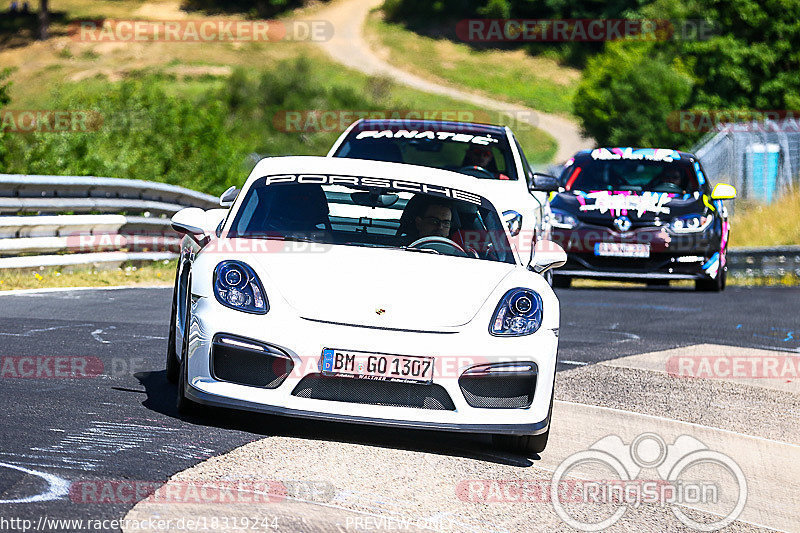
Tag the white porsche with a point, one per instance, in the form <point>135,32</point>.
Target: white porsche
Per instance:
<point>365,292</point>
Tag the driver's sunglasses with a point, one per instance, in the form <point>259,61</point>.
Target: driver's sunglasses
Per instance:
<point>482,152</point>
<point>439,223</point>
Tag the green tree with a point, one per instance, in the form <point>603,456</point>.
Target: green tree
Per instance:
<point>627,94</point>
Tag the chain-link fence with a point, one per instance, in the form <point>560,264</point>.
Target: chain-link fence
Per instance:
<point>760,159</point>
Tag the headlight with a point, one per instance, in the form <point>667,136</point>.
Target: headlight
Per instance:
<point>563,220</point>
<point>690,223</point>
<point>237,286</point>
<point>518,313</point>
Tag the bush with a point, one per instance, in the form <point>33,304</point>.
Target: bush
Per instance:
<point>626,95</point>
<point>205,144</point>
<point>4,99</point>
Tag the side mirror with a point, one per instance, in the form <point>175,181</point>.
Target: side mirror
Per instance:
<point>514,222</point>
<point>723,191</point>
<point>227,198</point>
<point>547,255</point>
<point>190,221</point>
<point>544,182</point>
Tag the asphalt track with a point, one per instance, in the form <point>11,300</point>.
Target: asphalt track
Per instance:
<point>122,424</point>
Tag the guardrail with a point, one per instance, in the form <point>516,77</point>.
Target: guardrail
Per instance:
<point>119,220</point>
<point>764,261</point>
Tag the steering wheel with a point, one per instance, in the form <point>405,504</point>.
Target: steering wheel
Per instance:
<point>476,169</point>
<point>435,239</point>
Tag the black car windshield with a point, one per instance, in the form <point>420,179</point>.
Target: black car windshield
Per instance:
<point>588,174</point>
<point>372,212</point>
<point>469,151</point>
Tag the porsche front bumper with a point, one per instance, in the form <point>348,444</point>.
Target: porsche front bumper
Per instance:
<point>303,340</point>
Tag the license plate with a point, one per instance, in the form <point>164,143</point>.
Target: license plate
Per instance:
<point>621,249</point>
<point>382,367</point>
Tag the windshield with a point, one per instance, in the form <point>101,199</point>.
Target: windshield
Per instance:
<point>372,212</point>
<point>469,151</point>
<point>587,174</point>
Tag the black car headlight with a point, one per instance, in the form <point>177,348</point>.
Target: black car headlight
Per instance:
<point>237,286</point>
<point>690,223</point>
<point>518,313</point>
<point>563,220</point>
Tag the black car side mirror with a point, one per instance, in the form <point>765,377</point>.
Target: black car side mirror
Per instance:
<point>544,182</point>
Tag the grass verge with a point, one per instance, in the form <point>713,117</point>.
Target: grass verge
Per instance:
<point>157,273</point>
<point>789,280</point>
<point>776,224</point>
<point>510,75</point>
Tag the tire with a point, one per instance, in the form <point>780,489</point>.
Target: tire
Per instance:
<point>712,285</point>
<point>183,403</point>
<point>658,283</point>
<point>562,282</point>
<point>173,365</point>
<point>522,444</point>
<point>527,444</point>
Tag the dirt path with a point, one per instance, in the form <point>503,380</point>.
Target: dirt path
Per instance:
<point>349,48</point>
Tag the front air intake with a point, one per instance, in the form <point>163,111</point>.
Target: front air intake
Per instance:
<point>247,362</point>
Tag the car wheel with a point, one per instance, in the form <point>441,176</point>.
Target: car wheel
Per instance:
<point>712,285</point>
<point>184,404</point>
<point>562,282</point>
<point>522,444</point>
<point>527,444</point>
<point>173,365</point>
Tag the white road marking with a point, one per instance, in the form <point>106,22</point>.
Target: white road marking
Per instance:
<point>96,335</point>
<point>56,486</point>
<point>30,332</point>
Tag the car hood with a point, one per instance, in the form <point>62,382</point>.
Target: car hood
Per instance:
<point>601,207</point>
<point>381,287</point>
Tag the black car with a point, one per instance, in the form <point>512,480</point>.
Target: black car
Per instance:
<point>641,214</point>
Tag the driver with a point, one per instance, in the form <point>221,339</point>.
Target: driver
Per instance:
<point>479,156</point>
<point>671,176</point>
<point>425,216</point>
<point>483,157</point>
<point>434,221</point>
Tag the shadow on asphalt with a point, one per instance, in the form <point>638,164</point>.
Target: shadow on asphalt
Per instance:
<point>161,396</point>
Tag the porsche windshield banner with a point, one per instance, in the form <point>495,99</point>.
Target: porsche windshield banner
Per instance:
<point>380,183</point>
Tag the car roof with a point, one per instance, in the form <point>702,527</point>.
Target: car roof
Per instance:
<point>374,169</point>
<point>425,123</point>
<point>685,156</point>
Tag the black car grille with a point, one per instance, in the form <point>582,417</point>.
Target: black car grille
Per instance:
<point>498,391</point>
<point>372,392</point>
<point>658,262</point>
<point>266,368</point>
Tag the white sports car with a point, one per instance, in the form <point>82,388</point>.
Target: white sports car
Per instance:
<point>485,151</point>
<point>365,292</point>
